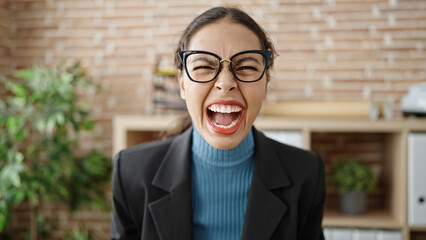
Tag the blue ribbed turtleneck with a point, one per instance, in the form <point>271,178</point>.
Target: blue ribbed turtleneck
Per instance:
<point>220,185</point>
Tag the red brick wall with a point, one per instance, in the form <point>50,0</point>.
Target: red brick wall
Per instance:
<point>349,49</point>
<point>331,49</point>
<point>5,38</point>
<point>59,222</point>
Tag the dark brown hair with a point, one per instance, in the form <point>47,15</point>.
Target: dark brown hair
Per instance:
<point>212,15</point>
<point>215,14</point>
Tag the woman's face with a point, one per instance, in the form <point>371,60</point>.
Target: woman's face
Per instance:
<point>223,110</point>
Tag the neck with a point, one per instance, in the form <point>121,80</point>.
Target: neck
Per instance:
<point>203,151</point>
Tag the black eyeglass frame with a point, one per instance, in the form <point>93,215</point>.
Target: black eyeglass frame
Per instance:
<point>183,55</point>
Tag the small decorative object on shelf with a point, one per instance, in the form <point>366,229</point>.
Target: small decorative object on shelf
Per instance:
<point>414,102</point>
<point>166,97</point>
<point>353,179</point>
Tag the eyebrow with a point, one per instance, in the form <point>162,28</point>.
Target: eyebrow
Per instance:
<point>245,59</point>
<point>209,61</point>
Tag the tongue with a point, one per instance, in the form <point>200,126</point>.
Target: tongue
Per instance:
<point>223,119</point>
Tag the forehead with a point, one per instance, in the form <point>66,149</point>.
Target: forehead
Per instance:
<point>224,38</point>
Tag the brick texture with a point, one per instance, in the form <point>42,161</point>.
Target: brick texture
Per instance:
<point>5,39</point>
<point>329,50</point>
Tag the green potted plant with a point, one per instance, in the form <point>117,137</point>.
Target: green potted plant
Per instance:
<point>42,114</point>
<point>353,179</point>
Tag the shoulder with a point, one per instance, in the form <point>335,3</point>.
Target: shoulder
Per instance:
<point>141,160</point>
<point>136,152</point>
<point>286,149</point>
<point>296,161</point>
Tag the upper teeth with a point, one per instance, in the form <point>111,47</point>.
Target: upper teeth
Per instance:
<point>224,108</point>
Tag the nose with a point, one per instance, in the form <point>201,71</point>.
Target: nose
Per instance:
<point>225,80</point>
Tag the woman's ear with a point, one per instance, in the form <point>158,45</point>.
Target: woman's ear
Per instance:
<point>181,85</point>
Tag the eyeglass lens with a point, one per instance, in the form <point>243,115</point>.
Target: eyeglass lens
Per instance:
<point>204,67</point>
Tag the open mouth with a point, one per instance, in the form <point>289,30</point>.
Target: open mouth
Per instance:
<point>225,117</point>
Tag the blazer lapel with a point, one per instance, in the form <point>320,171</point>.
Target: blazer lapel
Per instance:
<point>172,214</point>
<point>264,209</point>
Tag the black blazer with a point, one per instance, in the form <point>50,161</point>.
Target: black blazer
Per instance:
<point>152,192</point>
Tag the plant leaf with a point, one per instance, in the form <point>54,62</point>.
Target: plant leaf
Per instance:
<point>4,212</point>
<point>17,89</point>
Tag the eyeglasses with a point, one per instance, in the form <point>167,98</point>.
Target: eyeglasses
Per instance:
<point>246,66</point>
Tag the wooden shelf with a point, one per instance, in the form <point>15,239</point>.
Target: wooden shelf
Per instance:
<point>133,129</point>
<point>373,219</point>
<point>418,229</point>
<point>340,125</point>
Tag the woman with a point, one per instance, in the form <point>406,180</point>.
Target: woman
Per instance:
<point>221,178</point>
